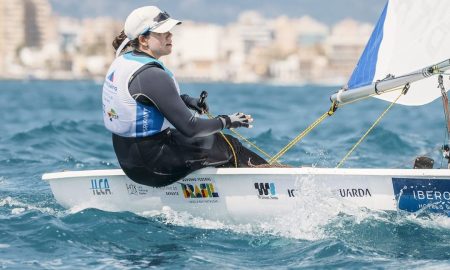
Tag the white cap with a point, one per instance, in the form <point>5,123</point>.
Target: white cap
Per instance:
<point>149,18</point>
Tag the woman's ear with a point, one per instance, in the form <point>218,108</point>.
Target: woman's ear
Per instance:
<point>143,41</point>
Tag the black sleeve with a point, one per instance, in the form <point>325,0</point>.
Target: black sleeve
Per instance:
<point>186,99</point>
<point>152,85</point>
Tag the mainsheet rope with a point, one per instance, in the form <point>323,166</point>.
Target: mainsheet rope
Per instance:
<point>404,91</point>
<point>288,146</point>
<point>299,137</point>
<point>275,158</point>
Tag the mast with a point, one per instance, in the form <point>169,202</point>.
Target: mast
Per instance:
<point>389,84</point>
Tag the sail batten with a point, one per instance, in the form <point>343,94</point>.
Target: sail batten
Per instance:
<point>409,36</point>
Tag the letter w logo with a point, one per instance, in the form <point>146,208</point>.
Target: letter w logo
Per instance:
<point>263,188</point>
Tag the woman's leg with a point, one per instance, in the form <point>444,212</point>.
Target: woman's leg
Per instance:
<point>215,151</point>
<point>245,157</point>
<point>172,157</point>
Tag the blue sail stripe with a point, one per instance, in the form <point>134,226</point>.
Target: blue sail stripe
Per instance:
<point>365,69</point>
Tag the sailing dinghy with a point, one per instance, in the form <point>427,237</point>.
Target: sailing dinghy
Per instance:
<point>403,62</point>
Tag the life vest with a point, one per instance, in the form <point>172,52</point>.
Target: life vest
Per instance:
<point>122,115</point>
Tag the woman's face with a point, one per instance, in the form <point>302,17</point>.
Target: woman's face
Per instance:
<point>159,44</point>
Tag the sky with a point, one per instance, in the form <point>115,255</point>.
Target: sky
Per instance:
<point>223,12</point>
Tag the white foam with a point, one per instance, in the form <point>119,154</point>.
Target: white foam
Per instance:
<point>4,263</point>
<point>315,207</point>
<point>19,207</point>
<point>77,208</point>
<point>293,226</point>
<point>432,221</point>
<point>111,262</point>
<point>4,245</point>
<point>314,211</point>
<point>16,211</point>
<point>52,263</point>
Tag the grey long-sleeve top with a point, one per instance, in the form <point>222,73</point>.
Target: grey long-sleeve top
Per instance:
<point>151,85</point>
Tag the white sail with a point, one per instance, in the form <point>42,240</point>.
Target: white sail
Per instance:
<point>410,35</point>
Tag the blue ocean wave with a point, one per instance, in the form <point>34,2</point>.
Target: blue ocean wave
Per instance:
<point>57,126</point>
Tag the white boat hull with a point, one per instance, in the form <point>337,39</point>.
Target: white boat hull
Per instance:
<point>257,193</point>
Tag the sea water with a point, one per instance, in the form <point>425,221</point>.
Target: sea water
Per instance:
<point>53,126</point>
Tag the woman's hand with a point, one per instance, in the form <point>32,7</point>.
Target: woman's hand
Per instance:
<point>195,104</point>
<point>236,120</point>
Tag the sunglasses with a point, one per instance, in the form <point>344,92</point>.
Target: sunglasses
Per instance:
<point>162,16</point>
<point>159,19</point>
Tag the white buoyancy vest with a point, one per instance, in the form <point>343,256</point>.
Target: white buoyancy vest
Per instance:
<point>122,115</point>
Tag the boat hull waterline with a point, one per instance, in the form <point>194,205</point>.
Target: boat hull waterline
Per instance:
<point>257,193</point>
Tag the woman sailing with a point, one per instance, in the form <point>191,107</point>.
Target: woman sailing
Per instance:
<point>156,138</point>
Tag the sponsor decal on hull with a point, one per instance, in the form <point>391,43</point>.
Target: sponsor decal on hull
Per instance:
<point>354,192</point>
<point>100,187</point>
<point>415,194</point>
<point>136,190</point>
<point>266,191</point>
<point>292,192</point>
<point>199,190</point>
<point>169,190</point>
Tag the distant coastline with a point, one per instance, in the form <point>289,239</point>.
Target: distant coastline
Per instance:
<point>99,81</point>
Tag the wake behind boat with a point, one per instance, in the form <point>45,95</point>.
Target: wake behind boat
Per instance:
<point>404,62</point>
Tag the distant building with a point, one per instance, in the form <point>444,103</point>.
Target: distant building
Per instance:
<point>12,35</point>
<point>25,24</point>
<point>69,32</point>
<point>344,47</point>
<point>285,35</point>
<point>313,63</point>
<point>95,50</point>
<point>40,28</point>
<point>287,70</point>
<point>196,52</point>
<point>33,43</point>
<point>310,32</point>
<point>232,53</point>
<point>293,34</point>
<point>298,40</point>
<point>245,45</point>
<point>254,31</point>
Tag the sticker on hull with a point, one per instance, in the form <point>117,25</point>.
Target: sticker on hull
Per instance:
<point>432,195</point>
<point>266,191</point>
<point>100,187</point>
<point>199,190</point>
